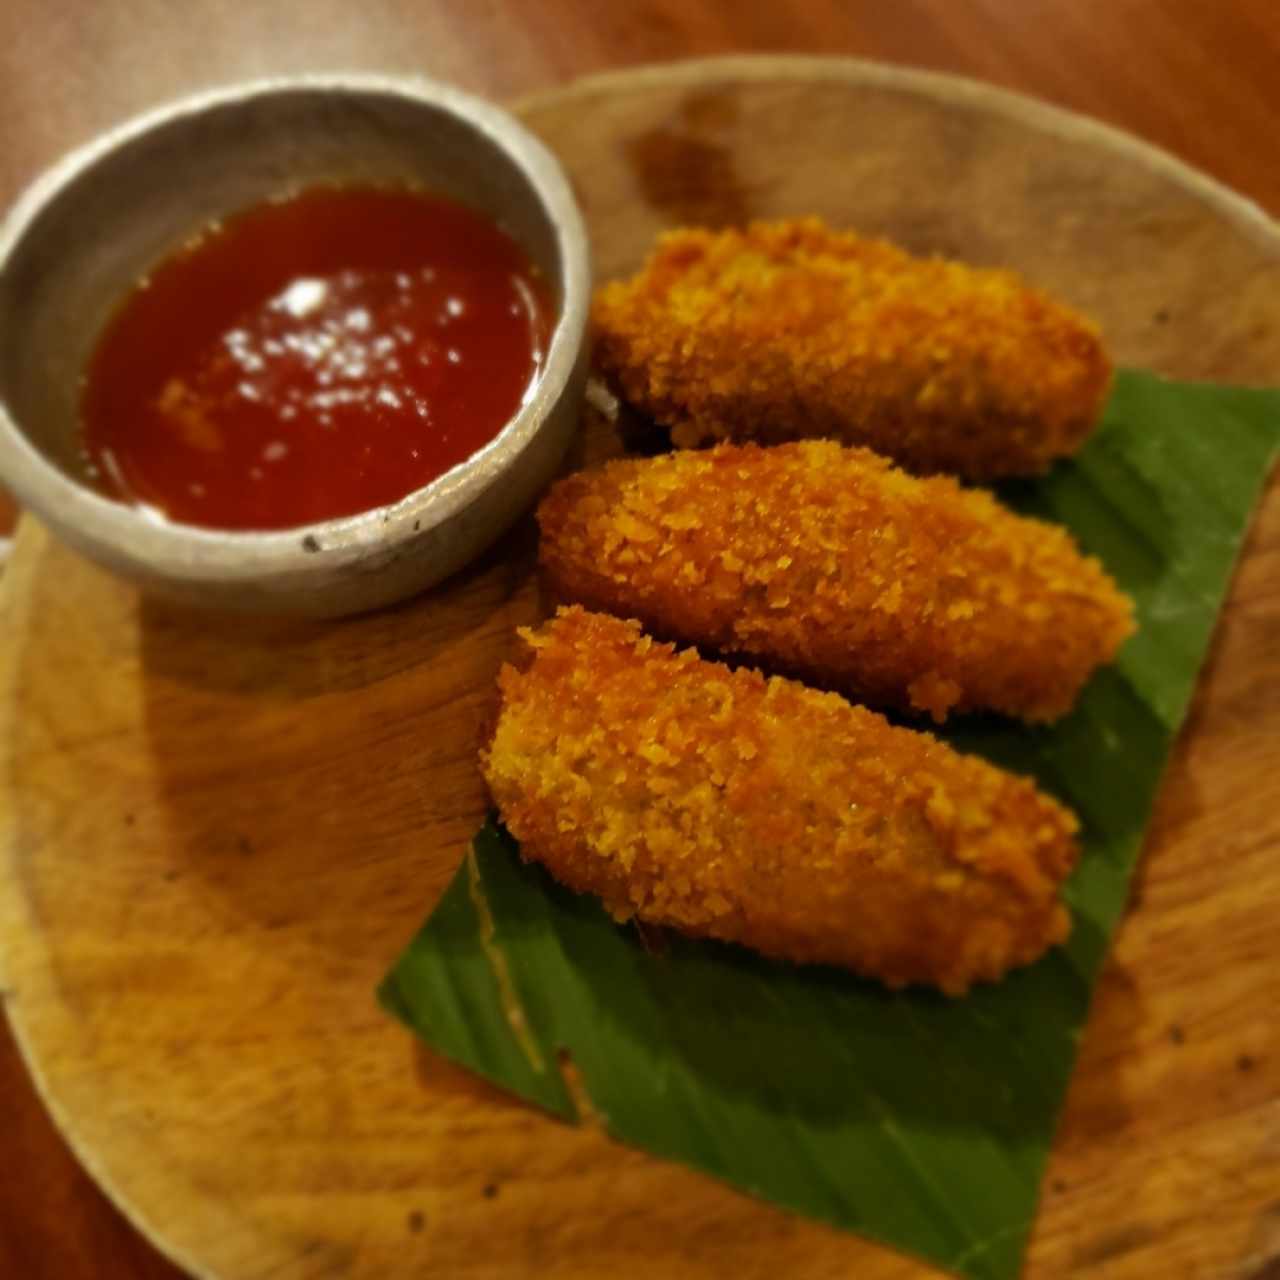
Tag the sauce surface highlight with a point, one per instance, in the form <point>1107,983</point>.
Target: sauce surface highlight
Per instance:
<point>313,358</point>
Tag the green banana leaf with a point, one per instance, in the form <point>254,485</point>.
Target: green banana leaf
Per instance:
<point>917,1120</point>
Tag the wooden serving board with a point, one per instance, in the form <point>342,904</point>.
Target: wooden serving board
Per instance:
<point>216,834</point>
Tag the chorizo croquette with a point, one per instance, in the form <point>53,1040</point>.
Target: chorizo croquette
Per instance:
<point>762,812</point>
<point>789,330</point>
<point>830,564</point>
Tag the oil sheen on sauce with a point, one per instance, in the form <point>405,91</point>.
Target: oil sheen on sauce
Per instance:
<point>311,358</point>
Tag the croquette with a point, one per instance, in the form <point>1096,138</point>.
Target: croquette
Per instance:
<point>723,805</point>
<point>830,564</point>
<point>790,330</point>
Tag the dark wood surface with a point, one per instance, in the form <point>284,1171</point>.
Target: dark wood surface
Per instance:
<point>1198,78</point>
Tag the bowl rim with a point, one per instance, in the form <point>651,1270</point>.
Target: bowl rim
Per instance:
<point>197,553</point>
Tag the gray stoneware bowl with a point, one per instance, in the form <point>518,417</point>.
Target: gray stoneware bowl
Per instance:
<point>83,234</point>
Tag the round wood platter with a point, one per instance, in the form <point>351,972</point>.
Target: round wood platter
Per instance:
<point>216,834</point>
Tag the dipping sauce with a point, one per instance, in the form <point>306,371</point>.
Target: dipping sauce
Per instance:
<point>312,358</point>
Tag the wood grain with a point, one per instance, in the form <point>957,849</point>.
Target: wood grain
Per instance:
<point>219,832</point>
<point>1198,78</point>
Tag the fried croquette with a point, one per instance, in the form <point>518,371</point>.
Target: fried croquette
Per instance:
<point>724,805</point>
<point>828,563</point>
<point>790,330</point>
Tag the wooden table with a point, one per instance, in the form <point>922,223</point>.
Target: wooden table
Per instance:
<point>1198,78</point>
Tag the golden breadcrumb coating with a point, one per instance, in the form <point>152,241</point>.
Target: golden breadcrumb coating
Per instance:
<point>829,563</point>
<point>789,330</point>
<point>757,811</point>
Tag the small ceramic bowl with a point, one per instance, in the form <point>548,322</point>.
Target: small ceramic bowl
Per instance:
<point>82,235</point>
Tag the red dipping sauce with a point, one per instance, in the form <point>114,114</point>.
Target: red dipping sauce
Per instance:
<point>313,358</point>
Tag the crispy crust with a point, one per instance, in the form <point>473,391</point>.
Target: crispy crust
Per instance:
<point>789,330</point>
<point>765,813</point>
<point>829,563</point>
